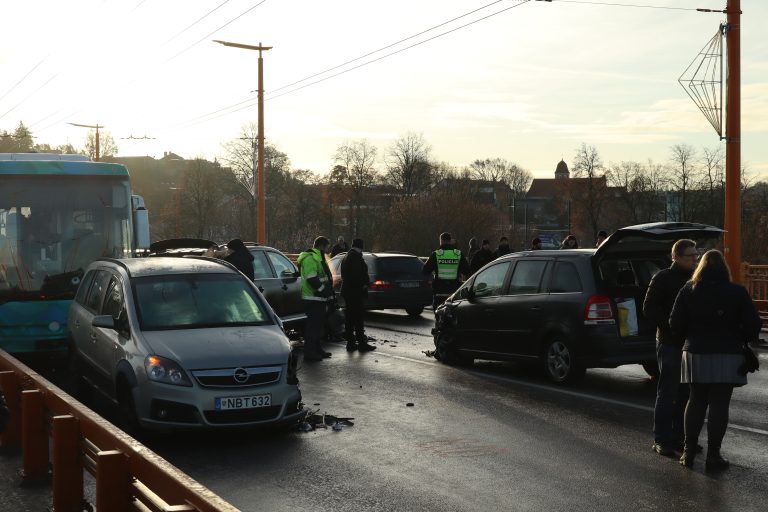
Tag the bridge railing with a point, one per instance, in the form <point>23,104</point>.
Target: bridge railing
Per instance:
<point>129,476</point>
<point>755,278</point>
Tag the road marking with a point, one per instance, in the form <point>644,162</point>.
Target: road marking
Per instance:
<point>558,390</point>
<point>401,331</point>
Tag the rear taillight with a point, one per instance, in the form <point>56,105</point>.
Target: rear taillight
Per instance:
<point>379,285</point>
<point>426,284</point>
<point>599,309</point>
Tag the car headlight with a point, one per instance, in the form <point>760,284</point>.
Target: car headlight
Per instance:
<point>160,369</point>
<point>292,377</point>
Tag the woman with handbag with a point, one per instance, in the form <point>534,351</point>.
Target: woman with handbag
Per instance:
<point>716,317</point>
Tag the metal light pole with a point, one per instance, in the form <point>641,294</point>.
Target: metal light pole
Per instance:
<point>97,126</point>
<point>732,224</point>
<point>261,211</point>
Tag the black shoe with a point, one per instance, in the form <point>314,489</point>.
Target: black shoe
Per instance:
<point>365,347</point>
<point>325,354</point>
<point>687,459</point>
<point>351,346</point>
<point>663,450</point>
<point>715,462</point>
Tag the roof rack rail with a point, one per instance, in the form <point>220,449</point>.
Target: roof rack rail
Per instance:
<point>116,262</point>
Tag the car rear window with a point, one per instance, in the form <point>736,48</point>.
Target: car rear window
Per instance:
<point>189,301</point>
<point>399,266</point>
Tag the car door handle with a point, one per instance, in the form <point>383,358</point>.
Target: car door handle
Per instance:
<point>535,308</point>
<point>93,337</point>
<point>77,324</point>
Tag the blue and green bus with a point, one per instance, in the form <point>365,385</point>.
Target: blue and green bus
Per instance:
<point>58,213</point>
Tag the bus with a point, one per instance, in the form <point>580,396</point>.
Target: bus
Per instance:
<point>58,213</point>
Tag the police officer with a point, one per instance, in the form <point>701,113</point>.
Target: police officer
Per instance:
<point>316,292</point>
<point>448,266</point>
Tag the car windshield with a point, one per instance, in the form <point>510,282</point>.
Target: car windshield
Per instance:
<point>193,301</point>
<point>399,266</point>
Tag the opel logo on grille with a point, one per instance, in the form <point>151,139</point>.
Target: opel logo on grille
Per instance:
<point>240,375</point>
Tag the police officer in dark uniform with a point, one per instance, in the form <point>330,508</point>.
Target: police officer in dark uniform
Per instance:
<point>447,266</point>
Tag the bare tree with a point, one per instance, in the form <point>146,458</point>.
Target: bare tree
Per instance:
<point>683,175</point>
<point>202,194</point>
<point>107,144</point>
<point>409,169</point>
<point>354,173</point>
<point>713,177</point>
<point>589,193</point>
<point>239,154</point>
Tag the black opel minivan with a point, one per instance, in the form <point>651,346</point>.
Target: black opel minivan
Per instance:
<point>566,310</point>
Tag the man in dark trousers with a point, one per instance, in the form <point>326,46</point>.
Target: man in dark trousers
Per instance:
<point>481,257</point>
<point>316,292</point>
<point>354,289</point>
<point>448,266</point>
<point>503,248</point>
<point>671,396</point>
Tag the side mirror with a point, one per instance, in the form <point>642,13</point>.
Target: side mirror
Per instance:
<point>289,277</point>
<point>467,293</point>
<point>105,321</point>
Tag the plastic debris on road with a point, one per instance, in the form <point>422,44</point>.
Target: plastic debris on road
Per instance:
<point>429,353</point>
<point>314,421</point>
<point>409,404</point>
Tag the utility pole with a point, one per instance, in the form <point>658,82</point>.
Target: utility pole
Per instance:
<point>261,212</point>
<point>732,224</point>
<point>97,126</point>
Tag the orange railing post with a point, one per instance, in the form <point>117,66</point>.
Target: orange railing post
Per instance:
<point>34,436</point>
<point>11,438</point>
<point>112,481</point>
<point>67,467</point>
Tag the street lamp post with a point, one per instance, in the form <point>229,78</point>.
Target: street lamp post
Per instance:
<point>261,212</point>
<point>96,126</point>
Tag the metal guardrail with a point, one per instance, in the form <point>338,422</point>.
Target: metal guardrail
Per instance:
<point>129,476</point>
<point>755,279</point>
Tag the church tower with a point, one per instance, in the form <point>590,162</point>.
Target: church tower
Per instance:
<point>562,172</point>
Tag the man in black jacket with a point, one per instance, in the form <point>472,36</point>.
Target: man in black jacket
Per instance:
<point>481,257</point>
<point>240,257</point>
<point>354,289</point>
<point>671,396</point>
<point>503,248</point>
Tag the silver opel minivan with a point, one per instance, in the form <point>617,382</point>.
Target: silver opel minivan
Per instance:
<point>182,342</point>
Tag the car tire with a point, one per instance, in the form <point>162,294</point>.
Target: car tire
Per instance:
<point>652,369</point>
<point>559,362</point>
<point>414,311</point>
<point>446,352</point>
<point>77,384</point>
<point>129,420</point>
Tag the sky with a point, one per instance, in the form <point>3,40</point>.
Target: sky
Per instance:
<point>530,83</point>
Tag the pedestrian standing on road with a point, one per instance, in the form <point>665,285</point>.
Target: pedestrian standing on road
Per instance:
<point>502,249</point>
<point>473,248</point>
<point>448,267</point>
<point>570,242</point>
<point>339,247</point>
<point>601,236</point>
<point>481,258</point>
<point>239,256</point>
<point>671,396</point>
<point>536,244</point>
<point>354,289</point>
<point>316,292</point>
<point>716,317</point>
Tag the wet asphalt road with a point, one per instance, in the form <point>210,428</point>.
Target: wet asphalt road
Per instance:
<point>496,436</point>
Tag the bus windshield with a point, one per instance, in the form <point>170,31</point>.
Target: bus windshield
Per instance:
<point>52,227</point>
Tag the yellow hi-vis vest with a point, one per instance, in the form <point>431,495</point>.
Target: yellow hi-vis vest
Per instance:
<point>448,264</point>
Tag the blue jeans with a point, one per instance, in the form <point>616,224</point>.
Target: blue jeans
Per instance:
<point>671,397</point>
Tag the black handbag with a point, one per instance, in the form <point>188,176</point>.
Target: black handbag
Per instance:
<point>751,362</point>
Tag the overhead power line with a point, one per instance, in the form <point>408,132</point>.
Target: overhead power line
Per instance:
<point>612,4</point>
<point>222,4</point>
<point>24,77</point>
<point>387,47</point>
<point>231,109</point>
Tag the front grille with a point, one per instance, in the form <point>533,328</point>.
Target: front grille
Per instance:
<point>243,415</point>
<point>225,378</point>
